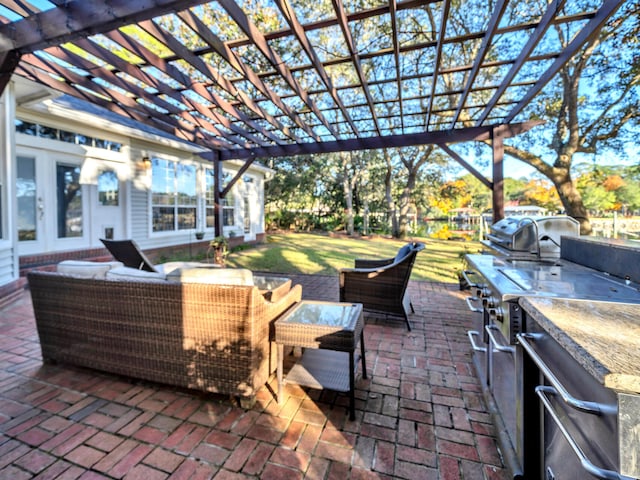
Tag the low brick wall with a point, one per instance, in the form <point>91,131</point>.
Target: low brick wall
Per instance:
<point>48,261</point>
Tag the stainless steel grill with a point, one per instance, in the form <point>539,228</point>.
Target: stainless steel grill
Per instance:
<point>530,237</point>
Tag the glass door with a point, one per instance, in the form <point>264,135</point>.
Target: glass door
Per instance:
<point>51,204</point>
<point>31,206</point>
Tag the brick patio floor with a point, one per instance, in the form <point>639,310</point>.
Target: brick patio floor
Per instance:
<point>420,414</point>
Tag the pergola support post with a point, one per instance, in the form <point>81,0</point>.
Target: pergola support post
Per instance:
<point>8,62</point>
<point>497,144</point>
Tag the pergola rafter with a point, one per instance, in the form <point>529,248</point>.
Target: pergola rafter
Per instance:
<point>207,70</point>
<point>436,67</point>
<point>276,61</point>
<point>393,11</point>
<point>494,21</point>
<point>338,6</point>
<point>296,27</point>
<point>232,59</point>
<point>240,91</point>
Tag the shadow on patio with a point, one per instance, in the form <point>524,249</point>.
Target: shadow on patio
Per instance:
<point>420,415</point>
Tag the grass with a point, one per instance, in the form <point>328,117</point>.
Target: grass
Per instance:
<point>319,254</point>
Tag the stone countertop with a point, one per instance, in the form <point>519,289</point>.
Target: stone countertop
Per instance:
<point>603,337</point>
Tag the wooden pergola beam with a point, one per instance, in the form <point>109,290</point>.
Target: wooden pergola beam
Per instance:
<point>78,18</point>
<point>289,14</point>
<point>9,60</point>
<point>338,7</point>
<point>436,64</point>
<point>232,59</point>
<point>173,72</point>
<point>490,31</point>
<point>497,145</point>
<point>481,133</point>
<point>584,36</point>
<point>276,61</point>
<point>524,54</point>
<point>393,9</point>
<point>110,76</point>
<point>486,182</point>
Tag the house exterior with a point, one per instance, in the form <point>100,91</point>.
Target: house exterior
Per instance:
<point>72,173</point>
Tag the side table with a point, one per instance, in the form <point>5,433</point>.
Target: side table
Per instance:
<point>329,332</point>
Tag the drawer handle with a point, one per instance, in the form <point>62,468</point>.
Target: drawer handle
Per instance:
<point>587,406</point>
<point>472,334</point>
<point>497,347</point>
<point>598,472</point>
<point>471,306</point>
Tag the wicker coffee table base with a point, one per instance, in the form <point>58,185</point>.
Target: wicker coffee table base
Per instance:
<point>330,358</point>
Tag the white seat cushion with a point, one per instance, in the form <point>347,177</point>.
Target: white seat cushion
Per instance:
<point>219,276</point>
<point>86,269</point>
<point>128,273</point>
<point>169,267</point>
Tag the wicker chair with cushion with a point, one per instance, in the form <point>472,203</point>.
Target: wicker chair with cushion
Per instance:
<point>381,285</point>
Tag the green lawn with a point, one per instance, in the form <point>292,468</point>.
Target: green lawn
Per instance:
<point>323,255</point>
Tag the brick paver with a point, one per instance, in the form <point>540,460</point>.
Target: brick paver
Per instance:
<point>419,415</point>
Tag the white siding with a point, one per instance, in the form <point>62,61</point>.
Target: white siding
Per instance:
<point>7,266</point>
<point>139,205</point>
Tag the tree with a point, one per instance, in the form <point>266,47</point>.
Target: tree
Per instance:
<point>590,107</point>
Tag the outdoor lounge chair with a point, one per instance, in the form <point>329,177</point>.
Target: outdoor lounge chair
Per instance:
<point>381,285</point>
<point>128,252</point>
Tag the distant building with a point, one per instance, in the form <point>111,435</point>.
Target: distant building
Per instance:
<point>530,210</point>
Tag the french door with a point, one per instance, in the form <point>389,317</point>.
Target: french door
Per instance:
<point>50,204</point>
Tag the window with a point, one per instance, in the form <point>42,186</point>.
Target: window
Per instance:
<point>27,128</point>
<point>228,203</point>
<point>108,188</point>
<point>173,196</point>
<point>52,133</point>
<point>69,193</point>
<point>26,199</point>
<point>228,211</point>
<point>247,215</point>
<point>209,197</point>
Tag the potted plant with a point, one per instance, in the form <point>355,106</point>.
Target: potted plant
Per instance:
<point>199,235</point>
<point>219,247</point>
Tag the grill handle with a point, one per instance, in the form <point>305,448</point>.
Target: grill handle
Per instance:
<point>465,274</point>
<point>472,334</point>
<point>471,306</point>
<point>587,406</point>
<point>542,391</point>
<point>492,340</point>
<point>498,240</point>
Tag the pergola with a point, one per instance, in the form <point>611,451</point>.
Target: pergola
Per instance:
<point>270,78</point>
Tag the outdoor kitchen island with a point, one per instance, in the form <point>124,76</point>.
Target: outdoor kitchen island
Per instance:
<point>502,330</point>
<point>580,388</point>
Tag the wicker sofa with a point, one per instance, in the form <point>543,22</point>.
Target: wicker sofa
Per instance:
<point>205,336</point>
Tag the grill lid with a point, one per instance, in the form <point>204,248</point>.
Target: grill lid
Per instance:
<point>530,234</point>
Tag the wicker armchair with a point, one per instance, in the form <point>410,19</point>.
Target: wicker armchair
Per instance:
<point>381,285</point>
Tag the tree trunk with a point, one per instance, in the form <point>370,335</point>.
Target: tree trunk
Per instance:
<point>388,195</point>
<point>347,185</point>
<point>572,201</point>
<point>405,204</point>
<point>365,217</point>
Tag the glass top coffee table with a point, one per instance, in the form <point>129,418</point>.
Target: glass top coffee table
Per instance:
<point>329,332</point>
